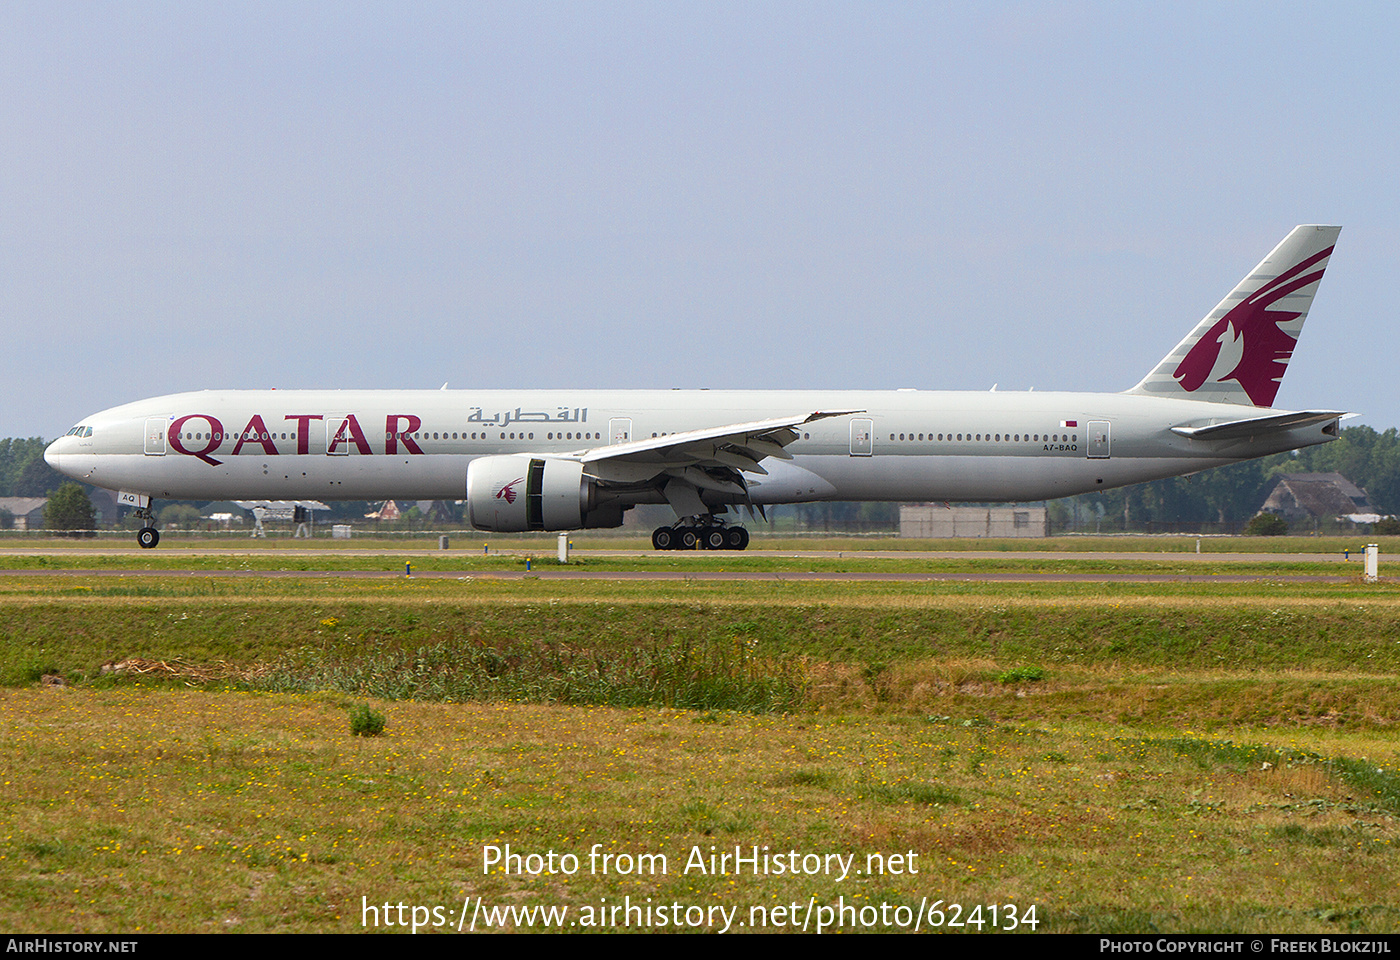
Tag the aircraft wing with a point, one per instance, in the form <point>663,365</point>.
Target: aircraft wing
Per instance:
<point>722,452</point>
<point>1257,426</point>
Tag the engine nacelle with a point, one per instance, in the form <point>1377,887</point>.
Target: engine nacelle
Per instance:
<point>516,494</point>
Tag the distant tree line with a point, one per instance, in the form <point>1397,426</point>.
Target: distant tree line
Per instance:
<point>69,509</point>
<point>23,472</point>
<point>1233,494</point>
<point>1225,495</point>
<point>832,517</point>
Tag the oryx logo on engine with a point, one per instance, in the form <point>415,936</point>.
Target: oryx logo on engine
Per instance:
<point>507,490</point>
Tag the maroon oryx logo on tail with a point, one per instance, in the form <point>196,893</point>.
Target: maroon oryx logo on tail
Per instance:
<point>507,491</point>
<point>1251,332</point>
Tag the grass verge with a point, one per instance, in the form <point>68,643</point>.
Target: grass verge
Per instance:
<point>174,810</point>
<point>1126,759</point>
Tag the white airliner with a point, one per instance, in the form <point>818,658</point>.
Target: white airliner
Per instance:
<point>572,459</point>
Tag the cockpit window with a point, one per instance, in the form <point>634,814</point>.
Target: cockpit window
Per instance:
<point>79,431</point>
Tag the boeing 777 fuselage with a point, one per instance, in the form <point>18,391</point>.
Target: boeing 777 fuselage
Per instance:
<point>571,459</point>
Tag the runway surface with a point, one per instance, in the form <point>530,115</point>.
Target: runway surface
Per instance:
<point>555,574</point>
<point>263,552</point>
<point>548,550</point>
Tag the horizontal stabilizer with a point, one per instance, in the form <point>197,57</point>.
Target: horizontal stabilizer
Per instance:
<point>1258,426</point>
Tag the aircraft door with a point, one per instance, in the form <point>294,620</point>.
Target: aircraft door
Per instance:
<point>1099,440</point>
<point>862,438</point>
<point>345,436</point>
<point>620,430</point>
<point>335,439</point>
<point>155,436</point>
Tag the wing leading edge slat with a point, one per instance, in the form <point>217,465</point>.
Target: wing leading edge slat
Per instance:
<point>731,448</point>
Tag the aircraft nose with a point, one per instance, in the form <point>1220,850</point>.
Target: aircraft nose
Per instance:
<point>52,456</point>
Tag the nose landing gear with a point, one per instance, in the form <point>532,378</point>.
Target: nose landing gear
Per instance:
<point>148,536</point>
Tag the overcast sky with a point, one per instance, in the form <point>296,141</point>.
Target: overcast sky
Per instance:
<point>942,196</point>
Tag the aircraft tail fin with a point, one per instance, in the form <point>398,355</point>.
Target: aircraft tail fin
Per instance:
<point>1239,352</point>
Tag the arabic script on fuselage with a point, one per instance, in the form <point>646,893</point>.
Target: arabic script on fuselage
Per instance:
<point>203,435</point>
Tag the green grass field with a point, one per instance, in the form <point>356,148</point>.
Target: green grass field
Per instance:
<point>1121,757</point>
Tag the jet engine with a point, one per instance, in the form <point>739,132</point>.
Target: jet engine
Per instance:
<point>515,494</point>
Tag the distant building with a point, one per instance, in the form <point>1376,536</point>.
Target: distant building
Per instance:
<point>28,512</point>
<point>1317,496</point>
<point>437,511</point>
<point>104,505</point>
<point>224,513</point>
<point>938,521</point>
<point>390,511</point>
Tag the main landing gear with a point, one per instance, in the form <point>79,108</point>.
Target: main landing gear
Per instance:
<point>690,536</point>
